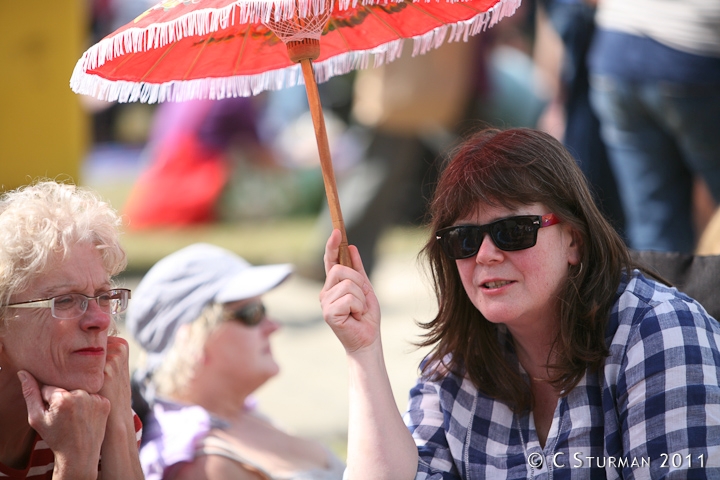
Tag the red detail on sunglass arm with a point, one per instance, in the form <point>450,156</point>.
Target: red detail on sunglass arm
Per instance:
<point>549,219</point>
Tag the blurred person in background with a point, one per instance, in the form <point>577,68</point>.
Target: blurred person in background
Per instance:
<point>188,161</point>
<point>409,111</point>
<point>199,314</point>
<point>64,379</point>
<point>655,86</point>
<point>569,116</point>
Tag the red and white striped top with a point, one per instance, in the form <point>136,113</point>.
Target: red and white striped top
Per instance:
<point>42,461</point>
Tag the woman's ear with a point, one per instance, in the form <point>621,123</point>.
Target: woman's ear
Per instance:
<point>574,247</point>
<point>206,357</point>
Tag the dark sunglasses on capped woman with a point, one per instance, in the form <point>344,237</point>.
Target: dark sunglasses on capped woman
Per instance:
<point>249,315</point>
<point>509,234</point>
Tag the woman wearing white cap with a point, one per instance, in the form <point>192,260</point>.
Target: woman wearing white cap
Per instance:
<point>199,315</point>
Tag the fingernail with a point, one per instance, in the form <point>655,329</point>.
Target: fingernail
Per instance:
<point>22,377</point>
<point>366,288</point>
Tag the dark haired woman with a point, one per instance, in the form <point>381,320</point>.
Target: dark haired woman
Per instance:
<point>554,356</point>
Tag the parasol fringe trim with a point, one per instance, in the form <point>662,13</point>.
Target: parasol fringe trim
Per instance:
<point>205,21</point>
<point>242,86</point>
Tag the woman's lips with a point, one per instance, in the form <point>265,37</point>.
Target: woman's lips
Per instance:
<point>91,351</point>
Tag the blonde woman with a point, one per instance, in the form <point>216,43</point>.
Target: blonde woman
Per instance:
<point>199,313</point>
<point>64,378</point>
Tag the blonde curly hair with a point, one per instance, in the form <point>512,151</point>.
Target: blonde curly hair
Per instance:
<point>179,365</point>
<point>45,219</point>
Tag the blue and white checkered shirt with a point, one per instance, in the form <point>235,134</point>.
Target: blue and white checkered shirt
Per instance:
<point>653,412</point>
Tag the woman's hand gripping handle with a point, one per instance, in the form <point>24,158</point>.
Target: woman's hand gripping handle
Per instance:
<point>379,445</point>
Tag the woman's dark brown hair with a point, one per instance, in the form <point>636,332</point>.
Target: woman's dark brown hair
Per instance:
<point>511,168</point>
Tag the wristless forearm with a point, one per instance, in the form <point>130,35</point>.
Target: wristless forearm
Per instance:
<point>120,457</point>
<point>379,444</point>
<point>75,469</point>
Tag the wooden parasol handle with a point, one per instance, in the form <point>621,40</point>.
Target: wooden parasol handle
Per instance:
<point>325,159</point>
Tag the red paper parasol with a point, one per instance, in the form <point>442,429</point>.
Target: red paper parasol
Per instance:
<point>187,49</point>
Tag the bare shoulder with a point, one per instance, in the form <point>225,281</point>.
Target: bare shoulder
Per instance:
<point>213,467</point>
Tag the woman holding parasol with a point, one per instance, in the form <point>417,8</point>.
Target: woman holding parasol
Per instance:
<point>553,354</point>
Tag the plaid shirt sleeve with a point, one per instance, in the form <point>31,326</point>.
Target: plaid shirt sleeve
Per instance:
<point>426,422</point>
<point>665,366</point>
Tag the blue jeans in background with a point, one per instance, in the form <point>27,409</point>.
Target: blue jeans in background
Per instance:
<point>659,136</point>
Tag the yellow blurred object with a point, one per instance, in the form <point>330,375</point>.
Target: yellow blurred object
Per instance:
<point>43,129</point>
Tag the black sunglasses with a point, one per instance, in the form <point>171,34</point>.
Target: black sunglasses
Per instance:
<point>508,234</point>
<point>249,315</point>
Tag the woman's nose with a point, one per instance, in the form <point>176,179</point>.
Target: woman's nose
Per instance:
<point>269,325</point>
<point>95,318</point>
<point>488,251</point>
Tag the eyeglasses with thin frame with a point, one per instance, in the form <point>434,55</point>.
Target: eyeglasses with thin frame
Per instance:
<point>73,305</point>
<point>509,234</point>
<point>249,315</point>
